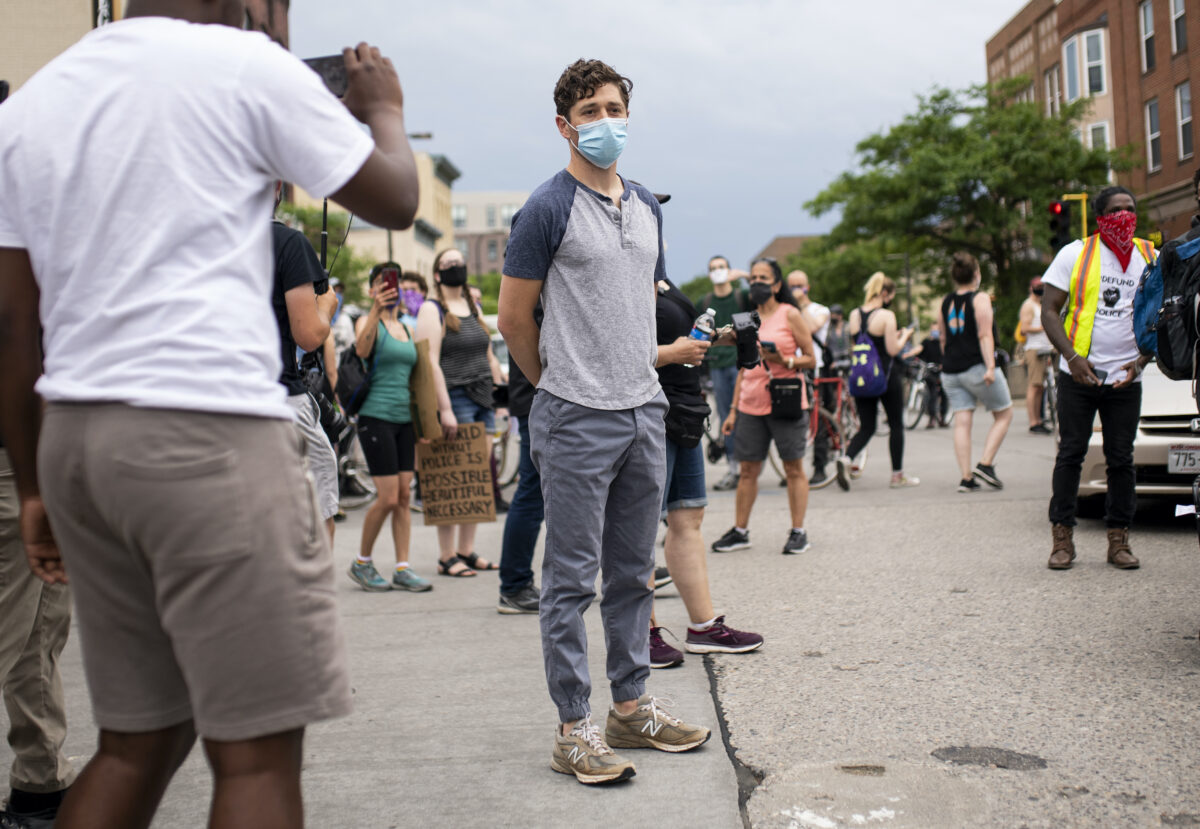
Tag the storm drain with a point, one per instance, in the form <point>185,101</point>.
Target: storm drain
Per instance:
<point>1000,758</point>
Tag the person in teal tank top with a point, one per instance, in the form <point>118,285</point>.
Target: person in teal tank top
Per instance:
<point>386,434</point>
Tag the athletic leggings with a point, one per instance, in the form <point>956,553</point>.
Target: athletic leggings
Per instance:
<point>893,407</point>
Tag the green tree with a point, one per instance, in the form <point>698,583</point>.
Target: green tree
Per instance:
<point>343,263</point>
<point>971,170</point>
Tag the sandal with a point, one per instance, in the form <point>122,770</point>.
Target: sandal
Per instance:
<point>473,561</point>
<point>446,568</point>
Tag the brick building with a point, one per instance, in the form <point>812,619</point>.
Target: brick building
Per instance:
<point>482,220</point>
<point>1133,59</point>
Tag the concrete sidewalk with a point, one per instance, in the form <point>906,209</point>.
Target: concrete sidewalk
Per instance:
<point>453,724</point>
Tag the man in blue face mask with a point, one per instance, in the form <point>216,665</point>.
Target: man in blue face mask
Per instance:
<point>588,244</point>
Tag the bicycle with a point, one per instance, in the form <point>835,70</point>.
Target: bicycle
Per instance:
<point>923,384</point>
<point>1050,392</point>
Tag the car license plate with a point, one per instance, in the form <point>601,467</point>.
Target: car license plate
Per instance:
<point>1183,459</point>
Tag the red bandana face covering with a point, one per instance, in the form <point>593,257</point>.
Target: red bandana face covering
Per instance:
<point>1116,231</point>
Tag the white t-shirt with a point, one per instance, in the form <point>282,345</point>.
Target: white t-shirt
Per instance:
<point>1113,343</point>
<point>137,169</point>
<point>1038,342</point>
<point>818,310</point>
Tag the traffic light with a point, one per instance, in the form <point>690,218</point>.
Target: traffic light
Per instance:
<point>1060,225</point>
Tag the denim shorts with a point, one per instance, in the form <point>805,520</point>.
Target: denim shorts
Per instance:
<point>467,410</point>
<point>966,389</point>
<point>685,478</point>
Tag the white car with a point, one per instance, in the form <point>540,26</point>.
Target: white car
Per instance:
<point>1166,451</point>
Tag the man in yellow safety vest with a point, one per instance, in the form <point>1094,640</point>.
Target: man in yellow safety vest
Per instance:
<point>1094,279</point>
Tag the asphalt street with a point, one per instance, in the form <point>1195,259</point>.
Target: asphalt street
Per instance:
<point>921,623</point>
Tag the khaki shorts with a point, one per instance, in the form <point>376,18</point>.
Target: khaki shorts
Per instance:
<point>202,576</point>
<point>1035,368</point>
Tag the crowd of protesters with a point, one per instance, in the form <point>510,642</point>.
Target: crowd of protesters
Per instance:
<point>182,401</point>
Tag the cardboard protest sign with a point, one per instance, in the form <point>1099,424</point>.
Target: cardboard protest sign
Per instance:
<point>456,480</point>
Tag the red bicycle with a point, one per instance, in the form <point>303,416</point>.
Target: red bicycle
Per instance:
<point>835,428</point>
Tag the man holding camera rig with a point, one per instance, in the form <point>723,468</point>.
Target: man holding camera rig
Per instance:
<point>169,468</point>
<point>304,304</point>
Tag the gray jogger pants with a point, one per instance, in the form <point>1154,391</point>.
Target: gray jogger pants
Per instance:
<point>603,474</point>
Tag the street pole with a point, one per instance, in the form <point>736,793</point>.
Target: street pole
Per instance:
<point>908,285</point>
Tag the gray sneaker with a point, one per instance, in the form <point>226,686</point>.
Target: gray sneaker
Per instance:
<point>367,577</point>
<point>525,600</point>
<point>406,579</point>
<point>650,726</point>
<point>584,754</point>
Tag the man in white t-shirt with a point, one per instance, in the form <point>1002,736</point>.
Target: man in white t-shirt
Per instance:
<point>816,316</point>
<point>136,169</point>
<point>1100,371</point>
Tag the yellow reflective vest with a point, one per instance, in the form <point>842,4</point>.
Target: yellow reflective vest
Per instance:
<point>1084,294</point>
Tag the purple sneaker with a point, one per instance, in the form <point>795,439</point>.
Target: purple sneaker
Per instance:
<point>662,655</point>
<point>721,639</point>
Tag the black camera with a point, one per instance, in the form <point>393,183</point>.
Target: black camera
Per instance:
<point>745,332</point>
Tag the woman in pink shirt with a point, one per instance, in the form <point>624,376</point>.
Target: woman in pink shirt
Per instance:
<point>786,347</point>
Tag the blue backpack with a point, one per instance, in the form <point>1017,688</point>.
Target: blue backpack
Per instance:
<point>1164,307</point>
<point>867,377</point>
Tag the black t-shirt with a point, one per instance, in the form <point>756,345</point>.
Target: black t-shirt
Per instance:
<point>931,350</point>
<point>675,315</point>
<point>296,264</point>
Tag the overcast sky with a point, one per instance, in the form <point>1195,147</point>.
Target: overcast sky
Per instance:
<point>742,111</point>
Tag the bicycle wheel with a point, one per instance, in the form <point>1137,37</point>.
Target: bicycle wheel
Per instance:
<point>506,450</point>
<point>775,462</point>
<point>918,398</point>
<point>826,426</point>
<point>1050,403</point>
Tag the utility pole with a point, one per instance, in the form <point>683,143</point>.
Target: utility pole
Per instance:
<point>908,285</point>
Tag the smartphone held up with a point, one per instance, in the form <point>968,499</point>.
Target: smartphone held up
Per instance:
<point>332,70</point>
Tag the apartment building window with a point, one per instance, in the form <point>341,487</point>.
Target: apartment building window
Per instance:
<point>458,213</point>
<point>506,214</point>
<point>1053,94</point>
<point>1183,110</point>
<point>1178,27</point>
<point>1153,137</point>
<point>493,250</point>
<point>491,215</point>
<point>1071,62</point>
<point>1094,46</point>
<point>1146,21</point>
<point>464,247</point>
<point>1099,135</point>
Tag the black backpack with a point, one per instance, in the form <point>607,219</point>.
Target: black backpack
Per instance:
<point>1178,337</point>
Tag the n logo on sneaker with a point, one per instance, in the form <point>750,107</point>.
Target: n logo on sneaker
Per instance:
<point>653,727</point>
<point>576,755</point>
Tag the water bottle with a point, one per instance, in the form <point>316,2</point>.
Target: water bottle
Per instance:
<point>704,328</point>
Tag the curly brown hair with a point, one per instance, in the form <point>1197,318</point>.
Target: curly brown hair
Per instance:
<point>581,80</point>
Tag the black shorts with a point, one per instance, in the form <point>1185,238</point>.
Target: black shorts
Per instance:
<point>390,448</point>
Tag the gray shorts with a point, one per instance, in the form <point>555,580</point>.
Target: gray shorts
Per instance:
<point>755,433</point>
<point>200,568</point>
<point>318,453</point>
<point>966,389</point>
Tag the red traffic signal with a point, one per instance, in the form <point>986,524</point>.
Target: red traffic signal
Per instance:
<point>1060,225</point>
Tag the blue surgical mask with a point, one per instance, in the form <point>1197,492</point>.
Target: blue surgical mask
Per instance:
<point>601,142</point>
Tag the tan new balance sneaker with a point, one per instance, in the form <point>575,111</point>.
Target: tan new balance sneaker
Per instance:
<point>584,754</point>
<point>649,726</point>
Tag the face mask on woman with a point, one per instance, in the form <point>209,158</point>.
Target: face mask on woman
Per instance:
<point>454,276</point>
<point>761,293</point>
